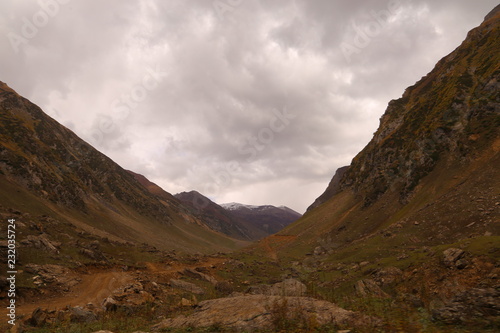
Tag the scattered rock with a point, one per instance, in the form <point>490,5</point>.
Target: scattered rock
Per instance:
<point>200,276</point>
<point>81,315</point>
<point>318,251</point>
<point>185,302</point>
<point>451,256</point>
<point>110,304</point>
<point>259,312</point>
<point>387,275</point>
<point>187,286</point>
<point>289,287</point>
<point>38,318</point>
<point>41,242</point>
<point>369,287</point>
<point>224,287</point>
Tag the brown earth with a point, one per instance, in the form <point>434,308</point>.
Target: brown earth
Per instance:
<point>98,285</point>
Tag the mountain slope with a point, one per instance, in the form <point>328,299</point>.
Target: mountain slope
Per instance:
<point>438,142</point>
<point>43,164</point>
<point>218,218</point>
<point>426,187</point>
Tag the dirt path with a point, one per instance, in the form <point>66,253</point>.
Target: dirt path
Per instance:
<point>95,287</point>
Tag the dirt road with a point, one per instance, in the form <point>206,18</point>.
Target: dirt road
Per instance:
<point>95,287</point>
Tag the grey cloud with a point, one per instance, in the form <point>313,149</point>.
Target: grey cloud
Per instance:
<point>224,75</point>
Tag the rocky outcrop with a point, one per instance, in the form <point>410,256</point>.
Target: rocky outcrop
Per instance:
<point>453,258</point>
<point>53,275</point>
<point>475,306</point>
<point>450,114</point>
<point>41,242</point>
<point>332,189</point>
<point>263,312</point>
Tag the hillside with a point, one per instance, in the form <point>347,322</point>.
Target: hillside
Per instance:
<point>416,216</point>
<point>45,169</point>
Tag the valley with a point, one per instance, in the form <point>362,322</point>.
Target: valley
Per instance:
<point>405,239</point>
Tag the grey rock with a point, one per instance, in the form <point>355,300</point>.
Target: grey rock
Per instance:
<point>474,306</point>
<point>369,287</point>
<point>81,315</point>
<point>38,318</point>
<point>451,256</point>
<point>289,287</point>
<point>253,312</point>
<point>187,286</point>
<point>200,276</point>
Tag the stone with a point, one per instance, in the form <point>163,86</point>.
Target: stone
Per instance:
<point>224,287</point>
<point>451,256</point>
<point>80,315</point>
<point>369,287</point>
<point>187,286</point>
<point>110,304</point>
<point>289,287</point>
<point>200,276</point>
<point>387,275</point>
<point>38,317</point>
<point>258,312</point>
<point>185,302</point>
<point>319,251</point>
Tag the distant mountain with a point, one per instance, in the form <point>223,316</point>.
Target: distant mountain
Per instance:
<point>269,219</point>
<point>46,168</point>
<point>218,218</point>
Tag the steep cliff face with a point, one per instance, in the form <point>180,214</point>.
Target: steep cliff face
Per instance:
<point>332,189</point>
<point>61,171</point>
<point>428,179</point>
<point>451,113</point>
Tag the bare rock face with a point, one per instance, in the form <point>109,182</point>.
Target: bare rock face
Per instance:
<point>253,312</point>
<point>474,306</point>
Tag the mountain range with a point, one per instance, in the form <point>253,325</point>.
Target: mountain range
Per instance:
<point>240,221</point>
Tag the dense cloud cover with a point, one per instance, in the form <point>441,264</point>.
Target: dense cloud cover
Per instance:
<point>250,101</point>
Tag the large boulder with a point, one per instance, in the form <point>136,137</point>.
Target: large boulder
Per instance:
<point>257,312</point>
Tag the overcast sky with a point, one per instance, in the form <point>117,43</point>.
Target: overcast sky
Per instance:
<point>252,101</point>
